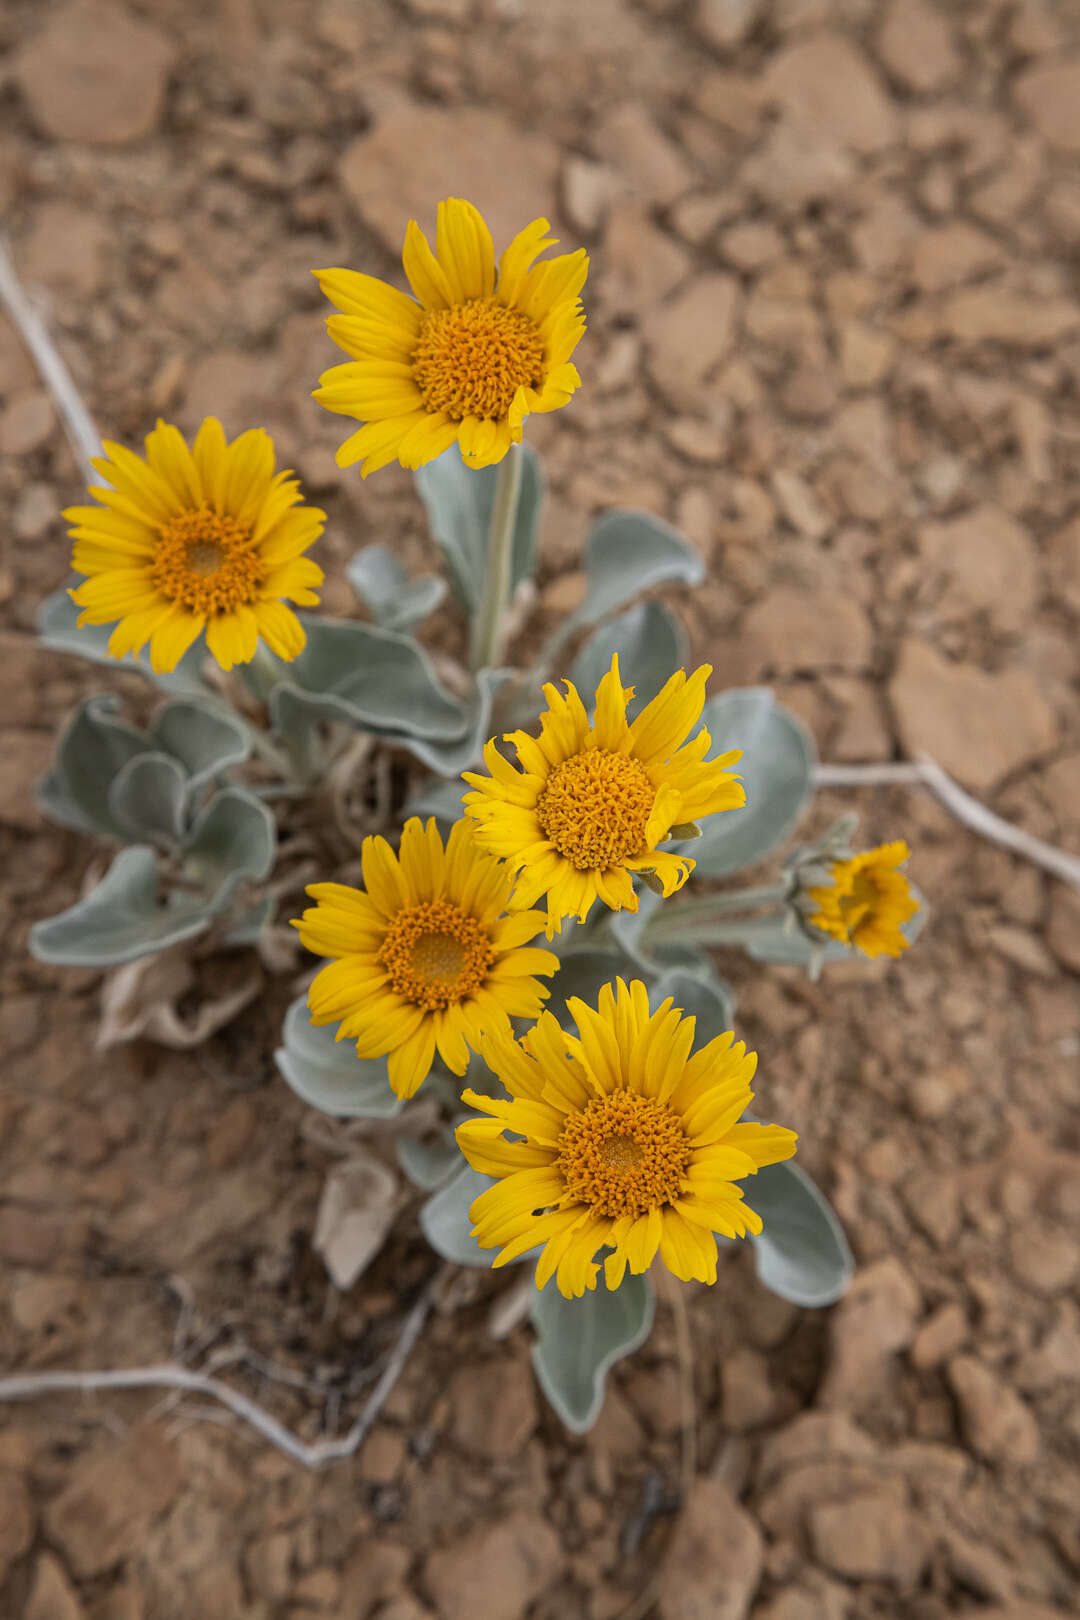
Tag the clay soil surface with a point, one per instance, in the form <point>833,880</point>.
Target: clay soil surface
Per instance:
<point>834,333</point>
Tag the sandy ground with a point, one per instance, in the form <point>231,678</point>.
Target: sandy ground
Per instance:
<point>835,335</point>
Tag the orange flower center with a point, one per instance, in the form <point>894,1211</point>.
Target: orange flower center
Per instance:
<point>436,954</point>
<point>624,1154</point>
<point>205,561</point>
<point>472,359</point>
<point>595,808</point>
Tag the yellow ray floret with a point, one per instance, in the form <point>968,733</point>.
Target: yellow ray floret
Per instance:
<point>867,901</point>
<point>467,358</point>
<point>424,957</point>
<point>587,805</point>
<point>207,538</point>
<point>619,1139</point>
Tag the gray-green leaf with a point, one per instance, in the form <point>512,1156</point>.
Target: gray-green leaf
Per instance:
<point>58,628</point>
<point>428,1163</point>
<point>439,799</point>
<point>702,995</point>
<point>459,500</point>
<point>93,748</point>
<point>583,973</point>
<point>627,553</point>
<point>651,644</point>
<point>120,920</point>
<point>777,770</point>
<point>232,841</point>
<point>451,758</point>
<point>396,600</point>
<point>377,680</point>
<point>580,1340</point>
<point>147,796</point>
<point>445,1221</point>
<point>205,739</point>
<point>650,960</point>
<point>327,1074</point>
<point>802,1254</point>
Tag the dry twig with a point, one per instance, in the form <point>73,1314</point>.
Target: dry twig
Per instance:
<point>82,434</point>
<point>168,1375</point>
<point>926,772</point>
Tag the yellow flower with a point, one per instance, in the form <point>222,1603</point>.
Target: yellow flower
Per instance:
<point>206,538</point>
<point>621,1140</point>
<point>468,358</point>
<point>425,958</point>
<point>591,803</point>
<point>867,901</point>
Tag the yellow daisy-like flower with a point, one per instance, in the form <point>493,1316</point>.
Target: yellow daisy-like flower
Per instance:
<point>622,1140</point>
<point>468,358</point>
<point>590,804</point>
<point>185,540</point>
<point>426,957</point>
<point>867,901</point>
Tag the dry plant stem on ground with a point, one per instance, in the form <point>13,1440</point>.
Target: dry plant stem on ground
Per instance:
<point>84,437</point>
<point>168,1375</point>
<point>926,772</point>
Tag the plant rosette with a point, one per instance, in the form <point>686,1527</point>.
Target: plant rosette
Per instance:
<point>576,1104</point>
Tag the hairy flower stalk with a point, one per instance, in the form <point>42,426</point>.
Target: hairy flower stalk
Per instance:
<point>486,639</point>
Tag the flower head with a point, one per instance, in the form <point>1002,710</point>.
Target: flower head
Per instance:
<point>185,540</point>
<point>425,958</point>
<point>622,1139</point>
<point>467,358</point>
<point>590,803</point>
<point>867,901</point>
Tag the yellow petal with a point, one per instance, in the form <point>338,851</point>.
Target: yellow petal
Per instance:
<point>366,296</point>
<point>171,640</point>
<point>426,276</point>
<point>464,250</point>
<point>409,1064</point>
<point>280,629</point>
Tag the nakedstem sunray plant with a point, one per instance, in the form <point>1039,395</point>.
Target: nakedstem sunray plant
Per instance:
<point>615,1148</point>
<point>587,805</point>
<point>468,358</point>
<point>427,958</point>
<point>207,538</point>
<point>619,1139</point>
<point>867,901</point>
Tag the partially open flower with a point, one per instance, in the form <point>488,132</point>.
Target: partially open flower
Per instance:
<point>590,804</point>
<point>207,538</point>
<point>425,958</point>
<point>867,901</point>
<point>464,361</point>
<point>620,1139</point>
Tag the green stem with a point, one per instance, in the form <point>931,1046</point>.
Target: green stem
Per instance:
<point>500,545</point>
<point>706,921</point>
